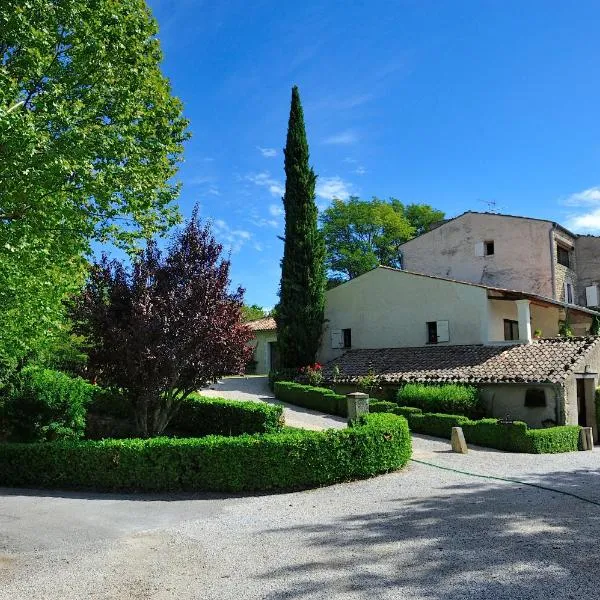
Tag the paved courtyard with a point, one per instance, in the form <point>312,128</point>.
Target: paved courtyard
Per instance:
<point>428,532</point>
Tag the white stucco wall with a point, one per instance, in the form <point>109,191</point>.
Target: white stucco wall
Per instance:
<point>544,318</point>
<point>261,350</point>
<point>522,256</point>
<point>389,309</point>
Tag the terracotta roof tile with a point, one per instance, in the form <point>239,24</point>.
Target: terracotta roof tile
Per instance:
<point>266,324</point>
<point>543,361</point>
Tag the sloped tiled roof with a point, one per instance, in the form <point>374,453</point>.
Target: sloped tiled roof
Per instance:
<point>266,324</point>
<point>543,361</point>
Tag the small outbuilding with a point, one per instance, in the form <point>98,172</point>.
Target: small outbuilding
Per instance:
<point>264,344</point>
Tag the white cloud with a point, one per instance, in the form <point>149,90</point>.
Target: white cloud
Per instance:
<point>589,197</point>
<point>275,210</point>
<point>200,180</point>
<point>344,137</point>
<point>264,179</point>
<point>213,191</point>
<point>234,238</point>
<point>333,187</point>
<point>360,170</point>
<point>267,152</point>
<point>588,220</point>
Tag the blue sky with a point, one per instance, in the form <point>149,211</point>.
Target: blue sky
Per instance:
<point>450,103</point>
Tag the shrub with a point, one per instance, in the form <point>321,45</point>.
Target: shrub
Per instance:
<point>199,415</point>
<point>281,375</point>
<point>436,424</point>
<point>564,438</point>
<point>286,460</point>
<point>449,398</point>
<point>494,434</point>
<point>379,406</point>
<point>316,398</point>
<point>46,405</point>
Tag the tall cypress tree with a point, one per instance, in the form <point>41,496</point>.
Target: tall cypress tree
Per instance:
<point>299,314</point>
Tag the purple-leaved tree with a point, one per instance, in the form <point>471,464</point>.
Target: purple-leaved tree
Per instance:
<point>166,327</point>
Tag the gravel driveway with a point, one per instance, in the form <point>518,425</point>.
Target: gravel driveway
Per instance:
<point>428,532</point>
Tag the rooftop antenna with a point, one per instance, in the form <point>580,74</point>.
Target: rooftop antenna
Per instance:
<point>491,206</point>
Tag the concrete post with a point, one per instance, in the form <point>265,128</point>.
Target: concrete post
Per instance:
<point>357,404</point>
<point>459,444</point>
<point>524,316</point>
<point>586,438</point>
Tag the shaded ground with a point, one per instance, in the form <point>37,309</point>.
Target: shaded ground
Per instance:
<point>256,389</point>
<point>423,533</point>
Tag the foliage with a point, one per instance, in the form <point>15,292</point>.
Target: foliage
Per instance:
<point>512,437</point>
<point>448,398</point>
<point>282,375</point>
<point>377,406</point>
<point>299,314</point>
<point>368,383</point>
<point>595,325</point>
<point>308,396</point>
<point>564,329</point>
<point>253,312</point>
<point>165,329</point>
<point>91,139</point>
<point>290,459</point>
<point>46,405</point>
<point>361,234</point>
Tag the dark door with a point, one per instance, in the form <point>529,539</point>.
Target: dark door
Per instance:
<point>581,407</point>
<point>273,356</point>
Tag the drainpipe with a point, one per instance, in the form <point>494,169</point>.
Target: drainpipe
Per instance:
<point>552,267</point>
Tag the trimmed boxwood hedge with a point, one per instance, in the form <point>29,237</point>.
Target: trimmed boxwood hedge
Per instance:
<point>290,459</point>
<point>450,398</point>
<point>307,396</point>
<point>512,437</point>
<point>197,416</point>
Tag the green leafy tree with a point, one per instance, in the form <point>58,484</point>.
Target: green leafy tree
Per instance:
<point>253,312</point>
<point>90,138</point>
<point>595,325</point>
<point>299,314</point>
<point>361,234</point>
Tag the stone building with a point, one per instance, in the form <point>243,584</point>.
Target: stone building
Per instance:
<point>519,253</point>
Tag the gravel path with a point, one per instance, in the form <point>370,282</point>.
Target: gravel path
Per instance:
<point>256,389</point>
<point>426,533</point>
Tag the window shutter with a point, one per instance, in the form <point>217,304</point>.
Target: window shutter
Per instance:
<point>591,295</point>
<point>479,249</point>
<point>443,331</point>
<point>337,339</point>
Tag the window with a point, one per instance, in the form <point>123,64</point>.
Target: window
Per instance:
<point>437,331</point>
<point>563,256</point>
<point>488,248</point>
<point>569,293</point>
<point>347,335</point>
<point>511,330</point>
<point>535,398</point>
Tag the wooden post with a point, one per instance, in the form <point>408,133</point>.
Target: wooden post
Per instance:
<point>357,404</point>
<point>459,444</point>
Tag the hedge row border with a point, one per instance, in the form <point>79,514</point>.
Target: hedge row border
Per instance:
<point>291,459</point>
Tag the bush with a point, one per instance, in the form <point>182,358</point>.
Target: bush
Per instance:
<point>46,405</point>
<point>379,406</point>
<point>449,398</point>
<point>436,424</point>
<point>315,398</point>
<point>282,375</point>
<point>286,460</point>
<point>198,416</point>
<point>564,438</point>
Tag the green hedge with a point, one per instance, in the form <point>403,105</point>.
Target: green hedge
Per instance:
<point>287,460</point>
<point>199,415</point>
<point>379,406</point>
<point>512,437</point>
<point>307,396</point>
<point>452,399</point>
<point>43,404</point>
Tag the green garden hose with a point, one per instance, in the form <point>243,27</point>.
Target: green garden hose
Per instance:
<point>535,485</point>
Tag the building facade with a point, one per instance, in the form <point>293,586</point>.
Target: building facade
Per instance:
<point>519,253</point>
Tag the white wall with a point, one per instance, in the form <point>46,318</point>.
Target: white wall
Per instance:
<point>521,261</point>
<point>389,309</point>
<point>544,318</point>
<point>261,350</point>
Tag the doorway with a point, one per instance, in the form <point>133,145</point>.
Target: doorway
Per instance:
<point>581,403</point>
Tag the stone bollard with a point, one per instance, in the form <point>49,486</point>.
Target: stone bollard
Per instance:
<point>459,444</point>
<point>586,438</point>
<point>357,404</point>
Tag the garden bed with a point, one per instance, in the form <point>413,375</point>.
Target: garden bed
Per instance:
<point>285,460</point>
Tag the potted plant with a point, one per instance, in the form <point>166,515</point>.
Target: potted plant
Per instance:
<point>537,334</point>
